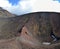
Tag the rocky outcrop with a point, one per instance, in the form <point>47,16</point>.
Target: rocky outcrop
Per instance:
<point>42,24</point>
<point>36,32</point>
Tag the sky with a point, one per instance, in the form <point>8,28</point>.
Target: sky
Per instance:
<point>57,0</point>
<point>14,2</point>
<point>27,6</point>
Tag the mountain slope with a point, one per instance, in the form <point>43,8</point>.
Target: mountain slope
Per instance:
<point>5,13</point>
<point>29,31</point>
<point>39,24</point>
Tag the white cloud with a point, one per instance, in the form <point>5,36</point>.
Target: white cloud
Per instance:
<point>21,8</point>
<point>25,6</point>
<point>45,5</point>
<point>4,3</point>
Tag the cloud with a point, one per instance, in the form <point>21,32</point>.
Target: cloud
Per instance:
<point>26,6</point>
<point>21,8</point>
<point>45,5</point>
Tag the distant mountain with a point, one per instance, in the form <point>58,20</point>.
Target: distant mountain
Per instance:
<point>4,19</point>
<point>5,14</point>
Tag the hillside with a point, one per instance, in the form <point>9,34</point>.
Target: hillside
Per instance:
<point>5,14</point>
<point>29,31</point>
